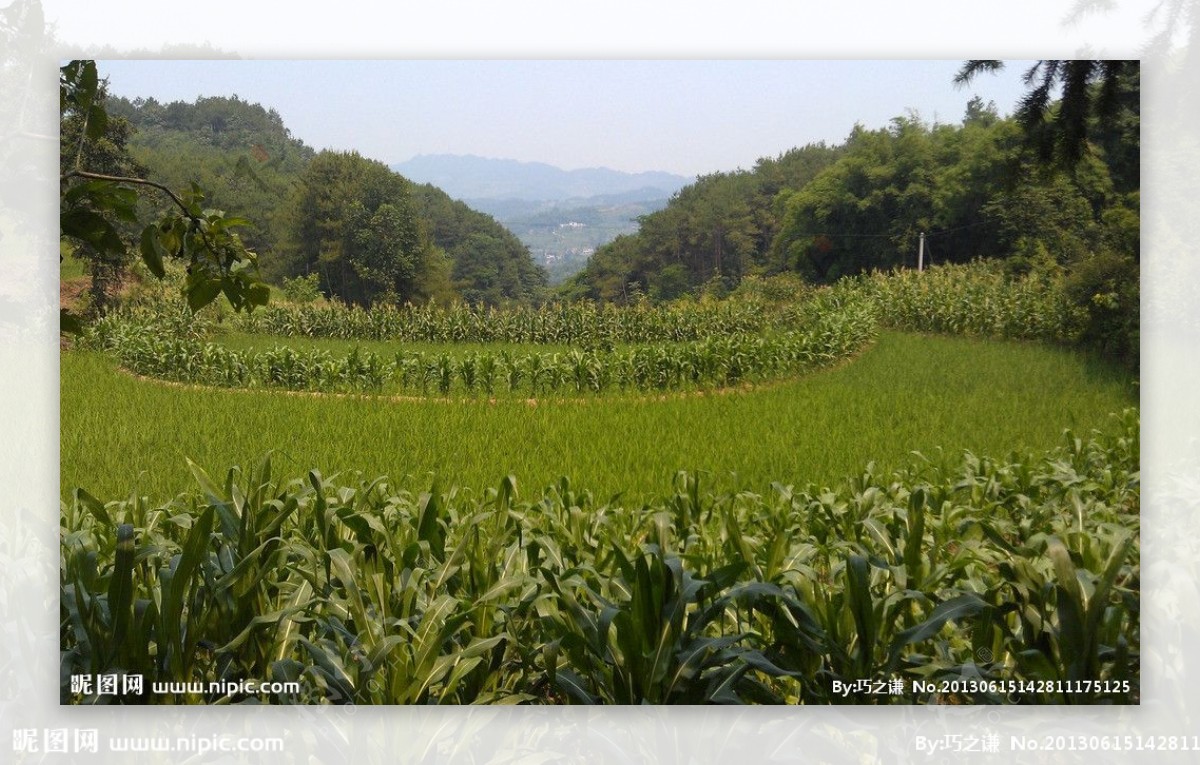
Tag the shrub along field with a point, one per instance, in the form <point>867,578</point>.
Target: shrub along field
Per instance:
<point>728,502</point>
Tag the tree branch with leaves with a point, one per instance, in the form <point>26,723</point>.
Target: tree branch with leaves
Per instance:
<point>1090,90</point>
<point>95,206</point>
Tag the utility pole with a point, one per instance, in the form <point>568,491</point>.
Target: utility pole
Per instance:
<point>921,254</point>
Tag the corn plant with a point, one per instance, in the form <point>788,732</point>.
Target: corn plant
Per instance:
<point>1024,569</point>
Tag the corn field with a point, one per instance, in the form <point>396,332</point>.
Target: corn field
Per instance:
<point>583,324</point>
<point>965,580</point>
<point>998,581</point>
<point>642,348</point>
<point>808,336</point>
<point>974,299</point>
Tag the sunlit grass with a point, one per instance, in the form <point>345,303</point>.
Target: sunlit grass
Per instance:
<point>934,395</point>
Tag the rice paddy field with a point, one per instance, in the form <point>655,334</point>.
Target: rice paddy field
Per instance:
<point>905,478</point>
<point>906,393</point>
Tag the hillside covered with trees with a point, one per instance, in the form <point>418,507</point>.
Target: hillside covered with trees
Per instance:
<point>983,188</point>
<point>365,232</point>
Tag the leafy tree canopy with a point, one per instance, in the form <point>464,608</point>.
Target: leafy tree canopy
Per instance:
<point>1092,92</point>
<point>99,204</point>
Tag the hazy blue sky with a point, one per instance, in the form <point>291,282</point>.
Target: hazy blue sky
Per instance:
<point>687,117</point>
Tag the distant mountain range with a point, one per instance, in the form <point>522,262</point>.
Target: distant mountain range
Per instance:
<point>562,216</point>
<point>469,177</point>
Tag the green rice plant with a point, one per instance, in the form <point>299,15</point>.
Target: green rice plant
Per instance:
<point>119,433</point>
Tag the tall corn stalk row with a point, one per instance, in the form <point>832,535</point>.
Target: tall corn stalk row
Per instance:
<point>1005,581</point>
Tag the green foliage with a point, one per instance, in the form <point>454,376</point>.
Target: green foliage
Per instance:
<point>976,299</point>
<point>1051,220</point>
<point>240,153</point>
<point>96,205</point>
<point>1105,290</point>
<point>90,139</point>
<point>1023,570</point>
<point>488,264</point>
<point>977,190</point>
<point>387,251</point>
<point>863,210</point>
<point>1092,91</point>
<point>353,222</point>
<point>821,331</point>
<point>971,189</point>
<point>672,282</point>
<point>247,159</point>
<point>720,226</point>
<point>302,289</point>
<point>778,288</point>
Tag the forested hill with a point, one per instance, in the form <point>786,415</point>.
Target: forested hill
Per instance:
<point>366,231</point>
<point>976,189</point>
<point>241,154</point>
<point>720,226</point>
<point>490,263</point>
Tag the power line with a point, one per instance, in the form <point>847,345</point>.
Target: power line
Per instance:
<point>958,228</point>
<point>846,236</point>
<point>892,236</point>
